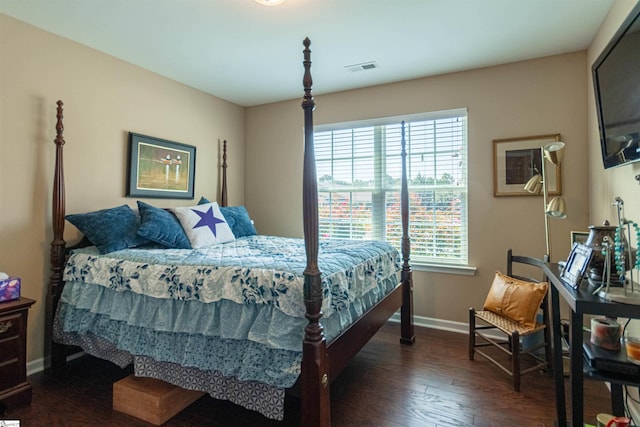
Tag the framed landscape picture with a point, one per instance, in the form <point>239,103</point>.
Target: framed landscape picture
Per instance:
<point>159,168</point>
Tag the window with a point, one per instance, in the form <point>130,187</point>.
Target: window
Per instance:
<point>359,177</point>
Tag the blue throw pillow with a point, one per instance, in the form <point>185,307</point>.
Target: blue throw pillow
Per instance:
<point>239,221</point>
<point>161,226</point>
<point>110,229</point>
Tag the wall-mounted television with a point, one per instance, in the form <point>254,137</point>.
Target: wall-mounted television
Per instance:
<point>616,77</point>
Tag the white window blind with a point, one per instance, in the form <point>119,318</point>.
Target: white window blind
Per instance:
<point>359,177</point>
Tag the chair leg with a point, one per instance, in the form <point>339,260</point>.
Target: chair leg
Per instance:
<point>515,359</point>
<point>548,346</point>
<point>548,351</point>
<point>472,332</point>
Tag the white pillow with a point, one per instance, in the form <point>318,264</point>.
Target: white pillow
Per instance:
<point>204,224</point>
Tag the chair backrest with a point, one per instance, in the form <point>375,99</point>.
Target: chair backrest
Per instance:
<point>518,259</point>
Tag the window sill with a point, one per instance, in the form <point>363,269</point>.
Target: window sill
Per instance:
<point>463,270</point>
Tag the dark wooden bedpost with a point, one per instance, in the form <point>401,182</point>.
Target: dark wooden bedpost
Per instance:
<point>223,195</point>
<point>406,312</point>
<point>58,245</point>
<point>315,367</point>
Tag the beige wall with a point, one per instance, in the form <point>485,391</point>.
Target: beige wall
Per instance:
<point>526,98</point>
<point>104,99</point>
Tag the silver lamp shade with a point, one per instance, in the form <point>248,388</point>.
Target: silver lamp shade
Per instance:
<point>534,185</point>
<point>557,208</point>
<point>554,152</point>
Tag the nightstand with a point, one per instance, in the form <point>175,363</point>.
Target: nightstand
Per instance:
<point>15,390</point>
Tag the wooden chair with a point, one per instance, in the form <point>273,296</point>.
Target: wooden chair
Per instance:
<point>487,328</point>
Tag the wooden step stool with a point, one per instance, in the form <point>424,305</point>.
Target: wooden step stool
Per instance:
<point>151,400</point>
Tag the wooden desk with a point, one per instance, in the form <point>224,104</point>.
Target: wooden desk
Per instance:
<point>581,302</point>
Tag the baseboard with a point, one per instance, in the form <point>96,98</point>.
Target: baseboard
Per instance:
<point>430,322</point>
<point>443,325</point>
<point>39,365</point>
<point>35,366</point>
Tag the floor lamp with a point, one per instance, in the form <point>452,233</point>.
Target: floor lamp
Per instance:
<point>556,208</point>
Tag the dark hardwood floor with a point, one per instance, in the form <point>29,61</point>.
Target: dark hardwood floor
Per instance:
<point>431,383</point>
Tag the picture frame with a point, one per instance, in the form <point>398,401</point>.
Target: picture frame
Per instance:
<point>516,160</point>
<point>579,237</point>
<point>158,168</point>
<point>576,265</point>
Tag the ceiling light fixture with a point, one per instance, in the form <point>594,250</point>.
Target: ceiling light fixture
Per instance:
<point>269,2</point>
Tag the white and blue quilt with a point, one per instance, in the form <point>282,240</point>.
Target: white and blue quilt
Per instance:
<point>235,308</point>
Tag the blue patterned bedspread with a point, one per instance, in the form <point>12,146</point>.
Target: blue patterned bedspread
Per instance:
<point>236,308</point>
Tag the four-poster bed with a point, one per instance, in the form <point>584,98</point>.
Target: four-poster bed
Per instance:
<point>337,326</point>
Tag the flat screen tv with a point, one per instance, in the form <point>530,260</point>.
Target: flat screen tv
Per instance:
<point>616,77</point>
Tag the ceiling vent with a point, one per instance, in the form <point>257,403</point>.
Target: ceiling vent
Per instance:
<point>371,65</point>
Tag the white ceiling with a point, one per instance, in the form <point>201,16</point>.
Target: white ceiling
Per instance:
<point>251,54</point>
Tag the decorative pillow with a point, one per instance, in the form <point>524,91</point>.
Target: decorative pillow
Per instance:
<point>161,226</point>
<point>238,219</point>
<point>204,224</point>
<point>515,299</point>
<point>110,229</point>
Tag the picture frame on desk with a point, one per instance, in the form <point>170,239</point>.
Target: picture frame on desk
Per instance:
<point>576,265</point>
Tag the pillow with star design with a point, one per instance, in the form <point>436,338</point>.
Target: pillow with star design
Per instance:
<point>204,224</point>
